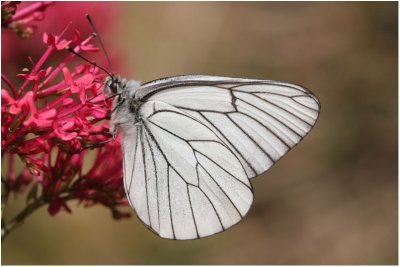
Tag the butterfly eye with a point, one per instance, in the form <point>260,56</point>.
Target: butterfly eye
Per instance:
<point>114,87</point>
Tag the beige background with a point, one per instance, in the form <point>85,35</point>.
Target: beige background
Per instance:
<point>332,200</point>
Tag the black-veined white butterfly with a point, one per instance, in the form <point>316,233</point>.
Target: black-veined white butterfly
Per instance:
<point>192,143</point>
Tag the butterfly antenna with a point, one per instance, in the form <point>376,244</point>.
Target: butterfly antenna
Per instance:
<point>87,60</point>
<point>101,43</point>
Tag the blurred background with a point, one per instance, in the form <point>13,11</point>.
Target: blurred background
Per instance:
<point>332,200</point>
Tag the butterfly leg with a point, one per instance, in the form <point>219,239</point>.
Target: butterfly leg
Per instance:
<point>114,133</point>
<point>91,146</point>
<point>95,145</point>
<point>102,101</point>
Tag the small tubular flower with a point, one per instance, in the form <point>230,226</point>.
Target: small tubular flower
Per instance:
<point>49,124</point>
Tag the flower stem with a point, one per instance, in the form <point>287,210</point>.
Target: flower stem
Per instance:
<point>35,69</point>
<point>10,85</point>
<point>8,227</point>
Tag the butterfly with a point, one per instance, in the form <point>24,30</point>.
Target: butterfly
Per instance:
<point>192,143</point>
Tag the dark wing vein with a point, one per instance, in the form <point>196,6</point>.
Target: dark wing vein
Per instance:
<point>275,118</point>
<point>168,170</point>
<point>281,108</point>
<point>191,208</point>
<point>156,174</point>
<point>133,166</point>
<point>222,168</point>
<point>145,174</point>
<point>230,200</point>
<point>209,200</point>
<point>227,140</point>
<point>163,153</point>
<point>310,108</point>
<point>252,139</point>
<point>266,128</point>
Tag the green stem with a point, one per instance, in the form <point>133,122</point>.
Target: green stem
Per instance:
<point>8,227</point>
<point>4,194</point>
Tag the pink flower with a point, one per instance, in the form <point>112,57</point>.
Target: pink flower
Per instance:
<point>55,41</point>
<point>85,47</point>
<point>56,205</point>
<point>57,15</point>
<point>21,20</point>
<point>50,125</point>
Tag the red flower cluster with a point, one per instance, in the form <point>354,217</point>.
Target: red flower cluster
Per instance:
<point>56,122</point>
<point>21,21</point>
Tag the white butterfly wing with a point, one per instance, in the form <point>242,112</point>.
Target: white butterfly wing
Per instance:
<point>181,179</point>
<point>258,120</point>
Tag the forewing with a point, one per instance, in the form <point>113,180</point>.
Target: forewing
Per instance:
<point>181,179</point>
<point>258,120</point>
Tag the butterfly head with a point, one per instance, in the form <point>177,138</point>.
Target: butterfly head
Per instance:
<point>125,104</point>
<point>113,85</point>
